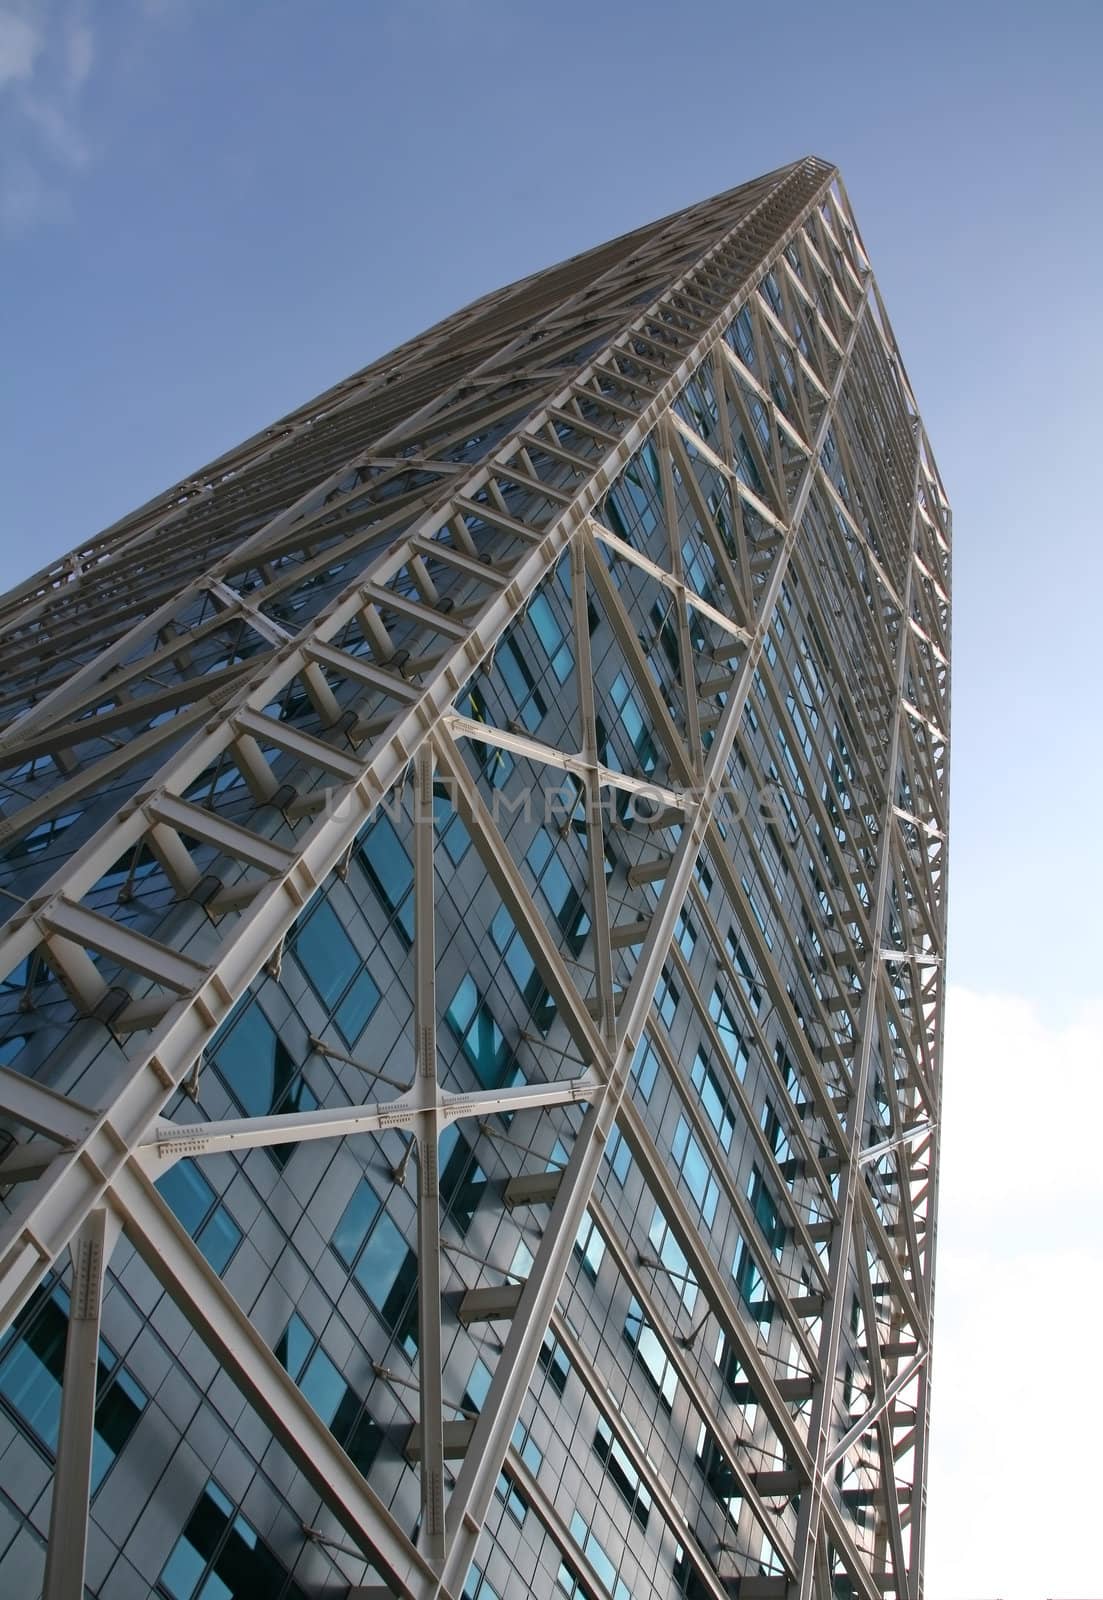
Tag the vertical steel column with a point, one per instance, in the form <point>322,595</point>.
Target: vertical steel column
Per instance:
<point>426,1097</point>
<point>595,822</point>
<point>68,1537</point>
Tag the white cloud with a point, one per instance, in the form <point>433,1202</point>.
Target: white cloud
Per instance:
<point>1017,1408</point>
<point>46,56</point>
<point>20,43</point>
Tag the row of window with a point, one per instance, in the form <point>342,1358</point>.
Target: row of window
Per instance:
<point>220,1556</point>
<point>32,1362</point>
<point>341,1409</point>
<point>370,1245</point>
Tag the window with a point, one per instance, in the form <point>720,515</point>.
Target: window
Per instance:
<point>496,764</point>
<point>391,873</point>
<point>686,935</point>
<point>462,1180</point>
<point>766,1212</point>
<point>339,1407</point>
<point>730,1036</point>
<point>598,1558</point>
<point>746,972</point>
<point>522,968</point>
<point>260,1072</point>
<point>672,1257</point>
<point>719,1473</point>
<point>633,506</point>
<point>775,1135</point>
<point>568,1581</point>
<point>477,1587</point>
<point>696,1172</point>
<point>11,1046</point>
<point>666,998</point>
<point>751,1284</point>
<point>451,832</point>
<point>554,1361</point>
<point>219,1545</point>
<point>788,1072</point>
<point>32,1361</point>
<point>472,1022</point>
<point>551,636</point>
<point>618,1155</point>
<point>619,1467</point>
<point>39,839</point>
<point>554,881</point>
<point>197,1208</point>
<point>740,335</point>
<point>589,1247</point>
<point>686,1577</point>
<point>527,1448</point>
<point>713,1098</point>
<point>645,1067</point>
<point>507,1491</point>
<point>757,912</point>
<point>478,1386</point>
<point>631,719</point>
<point>368,1242</point>
<point>512,667</point>
<point>650,1354</point>
<point>331,962</point>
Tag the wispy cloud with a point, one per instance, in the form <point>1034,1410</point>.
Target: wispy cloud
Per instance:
<point>47,52</point>
<point>1016,1411</point>
<point>20,43</point>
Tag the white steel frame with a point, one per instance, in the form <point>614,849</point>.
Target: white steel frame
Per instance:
<point>88,1171</point>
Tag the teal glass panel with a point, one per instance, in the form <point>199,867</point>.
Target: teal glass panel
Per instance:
<point>257,1066</point>
<point>326,953</point>
<point>357,1218</point>
<point>218,1238</point>
<point>356,1009</point>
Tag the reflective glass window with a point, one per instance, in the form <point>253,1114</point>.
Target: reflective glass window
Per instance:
<point>32,1363</point>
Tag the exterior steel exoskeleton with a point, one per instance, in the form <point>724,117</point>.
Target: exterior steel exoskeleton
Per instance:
<point>471,992</point>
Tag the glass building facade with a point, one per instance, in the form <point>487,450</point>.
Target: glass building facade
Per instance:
<point>471,998</point>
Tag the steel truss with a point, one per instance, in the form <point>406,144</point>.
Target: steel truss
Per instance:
<point>400,526</point>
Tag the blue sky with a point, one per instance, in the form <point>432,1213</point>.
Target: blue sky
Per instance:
<point>209,211</point>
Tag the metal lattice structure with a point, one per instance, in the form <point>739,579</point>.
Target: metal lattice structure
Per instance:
<point>656,533</point>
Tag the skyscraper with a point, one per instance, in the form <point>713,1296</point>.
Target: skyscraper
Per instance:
<point>471,991</point>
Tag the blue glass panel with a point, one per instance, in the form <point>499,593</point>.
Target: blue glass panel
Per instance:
<point>256,1065</point>
<point>183,1570</point>
<point>556,884</point>
<point>478,1386</point>
<point>117,1416</point>
<point>355,1010</point>
<point>645,1068</point>
<point>381,1262</point>
<point>219,1238</point>
<point>187,1193</point>
<point>30,1373</point>
<point>358,1217</point>
<point>323,1386</point>
<point>696,1172</point>
<point>294,1345</point>
<point>391,872</point>
<point>463,1006</point>
<point>327,954</point>
<point>484,1046</point>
